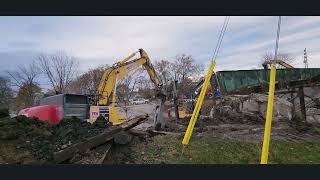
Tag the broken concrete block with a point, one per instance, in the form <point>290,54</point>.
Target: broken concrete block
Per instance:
<point>224,110</point>
<point>311,120</point>
<point>250,106</point>
<point>212,113</point>
<point>317,118</point>
<point>313,111</point>
<point>260,97</point>
<point>259,102</point>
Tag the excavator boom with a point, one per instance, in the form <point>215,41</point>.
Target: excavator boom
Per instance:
<point>122,69</point>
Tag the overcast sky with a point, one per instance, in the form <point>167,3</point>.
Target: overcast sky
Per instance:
<point>104,40</point>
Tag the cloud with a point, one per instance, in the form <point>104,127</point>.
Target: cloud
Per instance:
<point>11,59</point>
<point>22,44</point>
<point>105,40</point>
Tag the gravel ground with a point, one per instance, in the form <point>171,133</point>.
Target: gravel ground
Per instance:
<point>135,110</point>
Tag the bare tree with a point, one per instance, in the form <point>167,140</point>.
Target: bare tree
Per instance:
<point>125,87</point>
<point>6,93</point>
<point>59,68</point>
<point>124,90</point>
<point>164,69</point>
<point>25,77</point>
<point>88,82</point>
<point>184,67</point>
<point>145,87</point>
<point>286,57</point>
<point>24,99</point>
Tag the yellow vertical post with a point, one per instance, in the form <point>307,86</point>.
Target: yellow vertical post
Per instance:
<point>197,108</point>
<point>267,128</point>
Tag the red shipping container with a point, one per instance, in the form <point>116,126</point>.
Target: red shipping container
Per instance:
<point>53,114</point>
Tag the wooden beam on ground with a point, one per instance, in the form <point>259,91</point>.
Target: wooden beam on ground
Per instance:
<point>133,122</point>
<point>285,92</point>
<point>302,104</point>
<point>136,132</point>
<point>107,135</point>
<point>154,132</point>
<point>101,160</point>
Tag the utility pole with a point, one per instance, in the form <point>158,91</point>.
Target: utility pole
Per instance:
<point>175,98</point>
<point>305,58</point>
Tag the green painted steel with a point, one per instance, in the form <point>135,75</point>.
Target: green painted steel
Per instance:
<point>231,80</point>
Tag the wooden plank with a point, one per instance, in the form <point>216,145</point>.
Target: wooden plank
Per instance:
<point>88,144</point>
<point>107,135</point>
<point>101,160</point>
<point>138,132</point>
<point>155,132</point>
<point>133,122</point>
<point>302,104</point>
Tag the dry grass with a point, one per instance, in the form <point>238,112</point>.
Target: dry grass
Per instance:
<point>210,150</point>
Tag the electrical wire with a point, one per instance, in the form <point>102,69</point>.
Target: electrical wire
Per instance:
<point>277,39</point>
<point>217,49</point>
<point>215,55</point>
<point>222,32</point>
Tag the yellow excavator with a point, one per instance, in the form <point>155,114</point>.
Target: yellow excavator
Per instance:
<point>108,84</point>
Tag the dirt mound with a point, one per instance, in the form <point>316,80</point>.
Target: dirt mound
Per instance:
<point>71,131</point>
<point>4,113</point>
<point>39,140</point>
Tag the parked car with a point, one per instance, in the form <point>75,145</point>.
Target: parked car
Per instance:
<point>139,101</point>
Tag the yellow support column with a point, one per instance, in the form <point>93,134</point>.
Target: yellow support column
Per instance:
<point>197,108</point>
<point>267,128</point>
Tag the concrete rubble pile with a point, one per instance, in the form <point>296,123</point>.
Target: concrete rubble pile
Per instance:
<point>313,115</point>
<point>251,107</point>
<point>258,103</point>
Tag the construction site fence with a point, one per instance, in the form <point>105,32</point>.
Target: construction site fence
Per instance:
<point>232,80</point>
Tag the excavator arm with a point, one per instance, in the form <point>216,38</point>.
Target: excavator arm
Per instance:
<point>122,69</point>
<point>280,62</point>
<point>108,84</point>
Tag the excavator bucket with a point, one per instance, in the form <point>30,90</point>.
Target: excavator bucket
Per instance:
<point>115,117</point>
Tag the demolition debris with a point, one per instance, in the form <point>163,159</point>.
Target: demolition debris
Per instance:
<point>27,140</point>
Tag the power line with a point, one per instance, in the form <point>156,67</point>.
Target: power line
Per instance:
<point>222,32</point>
<point>305,58</point>
<point>215,50</point>
<point>277,39</point>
